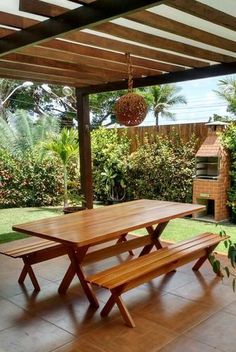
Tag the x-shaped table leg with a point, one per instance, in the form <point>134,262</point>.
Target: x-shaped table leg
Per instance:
<point>155,235</point>
<point>76,256</point>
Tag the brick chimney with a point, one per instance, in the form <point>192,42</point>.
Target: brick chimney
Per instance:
<point>212,181</point>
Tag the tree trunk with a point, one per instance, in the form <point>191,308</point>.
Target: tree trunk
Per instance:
<point>65,188</point>
<point>156,113</point>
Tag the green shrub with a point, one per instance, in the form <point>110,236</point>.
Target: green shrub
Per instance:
<point>163,169</point>
<point>229,141</point>
<point>110,153</point>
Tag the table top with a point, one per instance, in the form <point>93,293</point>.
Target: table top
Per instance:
<point>94,226</point>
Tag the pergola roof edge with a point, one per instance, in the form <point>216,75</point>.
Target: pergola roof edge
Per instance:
<point>172,77</point>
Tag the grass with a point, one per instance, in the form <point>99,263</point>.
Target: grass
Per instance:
<point>175,231</point>
<point>180,229</point>
<point>13,216</point>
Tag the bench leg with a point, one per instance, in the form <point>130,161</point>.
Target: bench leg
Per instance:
<point>23,275</point>
<point>202,260</point>
<point>115,298</point>
<point>108,306</point>
<point>27,269</point>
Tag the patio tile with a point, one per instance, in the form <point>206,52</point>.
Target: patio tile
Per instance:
<point>231,308</point>
<point>170,282</point>
<point>208,291</point>
<point>218,331</point>
<point>34,335</point>
<point>182,344</point>
<point>173,312</point>
<point>10,287</point>
<point>58,267</point>
<point>71,312</point>
<point>115,336</point>
<point>10,314</point>
<point>82,345</point>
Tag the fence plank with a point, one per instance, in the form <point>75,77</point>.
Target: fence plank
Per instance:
<point>185,131</point>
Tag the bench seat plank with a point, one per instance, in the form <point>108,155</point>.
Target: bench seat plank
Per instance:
<point>19,248</point>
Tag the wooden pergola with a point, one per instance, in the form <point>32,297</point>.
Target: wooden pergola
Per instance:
<point>81,43</point>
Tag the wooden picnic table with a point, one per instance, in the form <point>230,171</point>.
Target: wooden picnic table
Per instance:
<point>81,231</point>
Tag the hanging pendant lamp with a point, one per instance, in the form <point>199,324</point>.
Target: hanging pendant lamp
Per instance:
<point>131,108</point>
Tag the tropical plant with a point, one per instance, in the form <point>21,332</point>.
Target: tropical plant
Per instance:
<point>227,91</point>
<point>110,152</point>
<point>114,184</point>
<point>21,134</point>
<point>65,147</point>
<point>228,270</point>
<point>162,98</point>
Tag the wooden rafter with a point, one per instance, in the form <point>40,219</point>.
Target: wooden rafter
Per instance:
<point>153,54</point>
<point>160,42</point>
<point>143,17</point>
<point>79,18</point>
<point>166,24</point>
<point>38,62</point>
<point>41,8</point>
<point>204,12</point>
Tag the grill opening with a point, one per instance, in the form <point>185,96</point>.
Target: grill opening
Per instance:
<point>207,167</point>
<point>210,208</point>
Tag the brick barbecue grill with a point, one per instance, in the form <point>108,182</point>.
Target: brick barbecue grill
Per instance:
<point>211,182</point>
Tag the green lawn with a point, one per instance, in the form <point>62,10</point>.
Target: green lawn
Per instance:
<point>13,216</point>
<point>180,229</point>
<point>176,230</point>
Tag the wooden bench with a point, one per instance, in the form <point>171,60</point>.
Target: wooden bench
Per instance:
<point>35,250</point>
<point>32,250</point>
<point>133,273</point>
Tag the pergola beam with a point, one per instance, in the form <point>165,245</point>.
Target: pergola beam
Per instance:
<point>83,17</point>
<point>85,147</point>
<point>172,77</point>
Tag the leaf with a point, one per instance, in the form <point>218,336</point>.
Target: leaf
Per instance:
<point>227,271</point>
<point>222,233</point>
<point>216,266</point>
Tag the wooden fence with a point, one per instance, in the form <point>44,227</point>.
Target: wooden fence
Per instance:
<point>185,131</point>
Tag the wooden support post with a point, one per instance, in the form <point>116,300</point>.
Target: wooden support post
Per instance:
<point>85,147</point>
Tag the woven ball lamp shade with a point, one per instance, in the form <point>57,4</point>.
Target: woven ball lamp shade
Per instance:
<point>131,109</point>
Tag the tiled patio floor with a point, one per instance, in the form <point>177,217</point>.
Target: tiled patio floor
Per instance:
<point>181,311</point>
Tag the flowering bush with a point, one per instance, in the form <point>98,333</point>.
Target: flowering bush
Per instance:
<point>29,182</point>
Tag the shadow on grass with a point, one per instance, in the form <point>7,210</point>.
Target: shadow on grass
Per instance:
<point>11,236</point>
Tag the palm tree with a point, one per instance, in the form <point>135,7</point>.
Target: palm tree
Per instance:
<point>227,91</point>
<point>161,98</point>
<point>22,135</point>
<point>65,147</point>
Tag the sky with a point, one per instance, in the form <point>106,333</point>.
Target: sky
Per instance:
<point>202,102</point>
